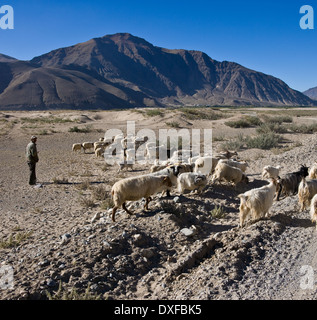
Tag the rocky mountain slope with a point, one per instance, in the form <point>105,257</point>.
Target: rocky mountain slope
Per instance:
<point>311,93</point>
<point>122,71</point>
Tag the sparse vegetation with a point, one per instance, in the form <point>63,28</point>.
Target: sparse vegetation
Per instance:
<point>99,192</point>
<point>263,141</point>
<point>154,113</point>
<point>202,114</point>
<point>86,129</point>
<point>234,144</point>
<point>218,212</point>
<point>64,294</point>
<point>267,128</point>
<point>303,128</point>
<point>45,120</point>
<point>277,119</point>
<point>85,185</point>
<point>15,241</point>
<point>87,202</point>
<point>245,122</point>
<point>107,204</point>
<point>60,181</point>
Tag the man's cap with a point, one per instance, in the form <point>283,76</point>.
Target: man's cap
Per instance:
<point>33,137</point>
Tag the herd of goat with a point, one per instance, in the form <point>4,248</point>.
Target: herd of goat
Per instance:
<point>188,172</point>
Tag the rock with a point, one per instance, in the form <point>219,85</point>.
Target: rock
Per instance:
<point>148,253</point>
<point>176,199</point>
<point>91,237</point>
<point>43,263</point>
<point>50,283</point>
<point>189,232</point>
<point>96,217</point>
<point>106,244</point>
<point>65,238</point>
<point>125,235</point>
<point>139,240</point>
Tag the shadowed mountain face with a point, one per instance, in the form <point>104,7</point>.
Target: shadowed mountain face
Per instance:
<point>122,71</point>
<point>311,93</point>
<point>4,58</point>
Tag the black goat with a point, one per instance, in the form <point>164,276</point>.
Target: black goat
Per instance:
<point>290,182</point>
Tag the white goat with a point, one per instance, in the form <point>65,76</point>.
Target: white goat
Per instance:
<point>87,145</point>
<point>256,202</point>
<point>77,147</point>
<point>313,210</point>
<point>156,168</point>
<point>313,171</point>
<point>99,152</point>
<point>191,181</point>
<point>306,190</point>
<point>206,165</point>
<point>228,173</point>
<point>242,165</point>
<point>270,172</point>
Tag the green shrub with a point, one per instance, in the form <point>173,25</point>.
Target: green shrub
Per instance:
<point>64,294</point>
<point>266,128</point>
<point>16,241</point>
<point>218,212</point>
<point>245,122</point>
<point>173,124</point>
<point>263,141</point>
<point>201,113</point>
<point>86,129</point>
<point>154,113</point>
<point>278,119</point>
<point>234,144</point>
<point>303,128</point>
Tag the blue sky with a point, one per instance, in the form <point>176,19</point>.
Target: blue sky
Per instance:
<point>264,36</point>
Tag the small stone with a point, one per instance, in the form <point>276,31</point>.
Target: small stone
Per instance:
<point>148,253</point>
<point>176,199</point>
<point>91,237</point>
<point>124,234</point>
<point>50,283</point>
<point>43,263</point>
<point>187,232</point>
<point>65,238</point>
<point>96,217</point>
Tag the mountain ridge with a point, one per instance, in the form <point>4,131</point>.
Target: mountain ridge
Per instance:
<point>311,93</point>
<point>123,71</point>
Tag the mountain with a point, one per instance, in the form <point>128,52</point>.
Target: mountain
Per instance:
<point>122,71</point>
<point>311,93</point>
<point>5,58</point>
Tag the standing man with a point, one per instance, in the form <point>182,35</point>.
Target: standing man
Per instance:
<point>32,159</point>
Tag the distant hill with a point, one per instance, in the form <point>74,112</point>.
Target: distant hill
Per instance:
<point>123,71</point>
<point>311,93</point>
<point>5,58</point>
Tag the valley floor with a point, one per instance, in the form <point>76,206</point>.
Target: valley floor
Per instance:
<point>49,237</point>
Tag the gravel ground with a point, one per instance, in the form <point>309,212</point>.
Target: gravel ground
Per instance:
<point>52,239</point>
